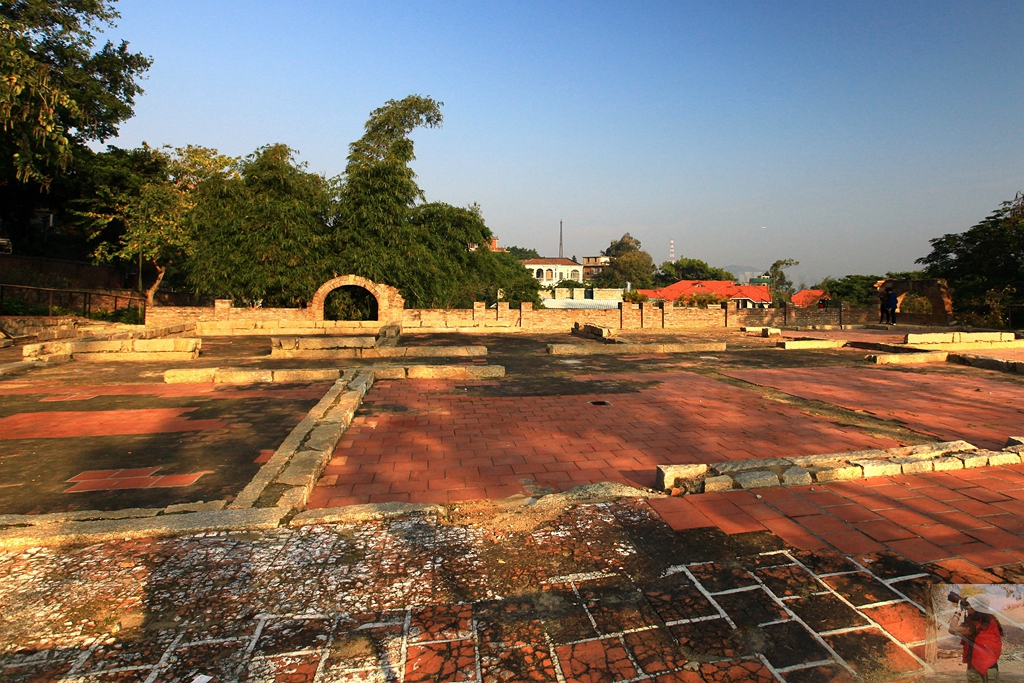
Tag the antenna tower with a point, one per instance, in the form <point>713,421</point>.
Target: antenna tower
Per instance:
<point>672,251</point>
<point>561,254</point>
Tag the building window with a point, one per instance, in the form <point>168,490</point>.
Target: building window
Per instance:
<point>540,273</point>
<point>575,275</point>
<point>550,275</point>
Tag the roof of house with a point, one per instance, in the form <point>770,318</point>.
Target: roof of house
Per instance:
<point>723,288</point>
<point>548,262</point>
<point>808,297</point>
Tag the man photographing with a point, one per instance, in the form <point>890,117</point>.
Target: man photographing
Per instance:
<point>981,635</point>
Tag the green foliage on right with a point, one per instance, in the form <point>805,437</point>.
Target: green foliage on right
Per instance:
<point>983,266</point>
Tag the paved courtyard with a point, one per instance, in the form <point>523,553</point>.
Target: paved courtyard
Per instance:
<point>504,578</point>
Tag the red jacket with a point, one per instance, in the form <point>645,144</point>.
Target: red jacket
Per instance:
<point>984,649</point>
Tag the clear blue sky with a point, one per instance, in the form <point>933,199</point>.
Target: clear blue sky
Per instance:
<point>853,132</point>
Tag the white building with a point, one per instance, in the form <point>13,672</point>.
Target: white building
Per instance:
<point>550,271</point>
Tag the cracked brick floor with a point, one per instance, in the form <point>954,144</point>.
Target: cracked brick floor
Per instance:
<point>593,592</point>
<point>440,441</point>
<point>981,410</point>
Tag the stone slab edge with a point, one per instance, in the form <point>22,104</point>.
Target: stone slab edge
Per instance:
<point>360,513</point>
<point>937,456</point>
<point>987,362</point>
<point>290,446</point>
<point>628,349</point>
<point>118,529</point>
<point>20,366</point>
<point>909,358</point>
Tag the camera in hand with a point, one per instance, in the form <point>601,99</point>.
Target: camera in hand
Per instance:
<point>956,599</point>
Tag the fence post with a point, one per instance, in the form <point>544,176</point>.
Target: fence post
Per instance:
<point>50,313</point>
<point>840,315</point>
<point>1,299</point>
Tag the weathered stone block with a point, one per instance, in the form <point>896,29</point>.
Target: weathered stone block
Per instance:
<point>909,358</point>
<point>455,371</point>
<point>975,459</point>
<point>722,483</point>
<point>359,342</point>
<point>756,479</point>
<point>878,468</point>
<point>796,476</point>
<point>947,462</point>
<point>321,375</point>
<point>733,466</point>
<point>771,332</point>
<point>294,498</point>
<point>389,373</point>
<point>240,376</point>
<point>838,473</point>
<point>1014,449</point>
<point>929,338</point>
<point>324,437</point>
<point>189,376</point>
<point>1004,458</point>
<point>913,465</point>
<point>134,356</point>
<point>304,468</point>
<point>931,450</point>
<point>811,344</point>
<point>667,475</point>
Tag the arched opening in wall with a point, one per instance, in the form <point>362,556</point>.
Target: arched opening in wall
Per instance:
<point>913,302</point>
<point>575,275</point>
<point>350,302</point>
<point>549,275</point>
<point>540,273</point>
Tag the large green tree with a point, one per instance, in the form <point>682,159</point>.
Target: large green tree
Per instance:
<point>629,264</point>
<point>781,286</point>
<point>689,269</point>
<point>150,212</point>
<point>57,91</point>
<point>856,290</point>
<point>258,234</point>
<point>984,265</point>
<point>434,253</point>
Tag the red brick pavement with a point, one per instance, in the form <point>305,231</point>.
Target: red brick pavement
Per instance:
<point>442,445</point>
<point>949,407</point>
<point>933,517</point>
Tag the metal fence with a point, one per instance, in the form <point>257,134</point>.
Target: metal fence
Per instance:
<point>73,300</point>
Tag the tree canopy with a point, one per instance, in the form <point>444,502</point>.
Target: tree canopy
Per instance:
<point>56,91</point>
<point>689,269</point>
<point>522,253</point>
<point>984,266</point>
<point>629,263</point>
<point>258,233</point>
<point>781,286</point>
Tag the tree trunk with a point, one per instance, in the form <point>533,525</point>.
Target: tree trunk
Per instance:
<point>151,292</point>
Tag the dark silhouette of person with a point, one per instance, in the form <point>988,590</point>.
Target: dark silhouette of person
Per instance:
<point>982,637</point>
<point>889,303</point>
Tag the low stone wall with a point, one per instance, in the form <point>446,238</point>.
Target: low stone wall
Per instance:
<point>181,348</point>
<point>225,320</point>
<point>807,469</point>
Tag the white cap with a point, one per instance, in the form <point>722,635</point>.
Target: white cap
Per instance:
<point>979,602</point>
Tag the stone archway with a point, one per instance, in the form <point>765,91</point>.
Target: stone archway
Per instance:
<point>389,302</point>
<point>936,291</point>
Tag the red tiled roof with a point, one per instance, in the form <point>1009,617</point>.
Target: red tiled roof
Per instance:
<point>548,262</point>
<point>723,288</point>
<point>808,297</point>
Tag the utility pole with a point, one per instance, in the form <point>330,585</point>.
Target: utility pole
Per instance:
<point>672,251</point>
<point>561,254</point>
